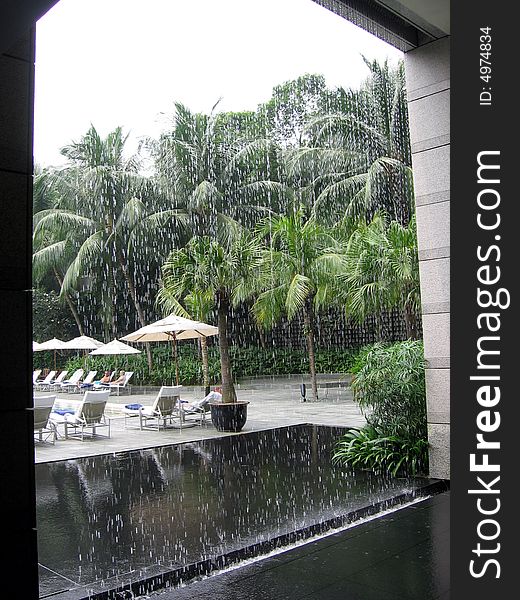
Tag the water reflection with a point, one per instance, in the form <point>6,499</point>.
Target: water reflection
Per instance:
<point>171,506</point>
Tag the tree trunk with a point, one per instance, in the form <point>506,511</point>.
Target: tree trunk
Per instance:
<point>410,320</point>
<point>309,334</point>
<point>379,326</point>
<point>71,306</point>
<point>261,336</point>
<point>205,363</point>
<point>140,314</point>
<point>228,389</point>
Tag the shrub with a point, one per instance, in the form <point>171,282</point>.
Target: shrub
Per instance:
<point>367,448</point>
<point>249,361</point>
<point>389,386</point>
<point>51,317</point>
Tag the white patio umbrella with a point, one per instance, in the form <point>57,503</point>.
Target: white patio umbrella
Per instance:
<point>83,342</point>
<point>36,346</point>
<point>115,347</point>
<point>53,344</point>
<point>172,328</point>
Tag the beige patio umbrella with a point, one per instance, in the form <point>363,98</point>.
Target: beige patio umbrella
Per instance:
<point>53,344</point>
<point>172,328</point>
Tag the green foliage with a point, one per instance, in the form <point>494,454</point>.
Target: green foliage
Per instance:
<point>389,386</point>
<point>359,359</point>
<point>367,448</point>
<point>390,389</point>
<point>362,151</point>
<point>103,226</point>
<point>285,173</point>
<point>247,362</point>
<point>291,104</point>
<point>381,270</point>
<point>51,317</point>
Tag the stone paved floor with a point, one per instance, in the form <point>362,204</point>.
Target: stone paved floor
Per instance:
<point>270,407</point>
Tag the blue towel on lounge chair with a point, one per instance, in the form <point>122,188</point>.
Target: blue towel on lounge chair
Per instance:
<point>133,406</point>
<point>64,411</point>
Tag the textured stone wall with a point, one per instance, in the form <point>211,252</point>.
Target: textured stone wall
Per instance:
<point>428,86</point>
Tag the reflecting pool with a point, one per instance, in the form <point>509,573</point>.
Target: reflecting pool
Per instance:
<point>135,514</point>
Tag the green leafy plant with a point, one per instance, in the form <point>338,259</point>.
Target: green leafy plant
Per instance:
<point>389,387</point>
<point>248,361</point>
<point>366,448</point>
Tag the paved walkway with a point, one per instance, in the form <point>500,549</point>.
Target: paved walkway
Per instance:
<point>404,555</point>
<point>274,405</point>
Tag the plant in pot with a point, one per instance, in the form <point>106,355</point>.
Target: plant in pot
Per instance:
<point>205,265</point>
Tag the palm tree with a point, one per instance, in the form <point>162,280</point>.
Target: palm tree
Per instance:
<point>205,268</point>
<point>298,270</point>
<point>216,176</point>
<point>108,214</point>
<point>54,256</point>
<point>381,271</point>
<point>51,255</point>
<point>361,155</point>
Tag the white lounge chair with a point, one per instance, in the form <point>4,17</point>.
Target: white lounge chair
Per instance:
<point>88,382</point>
<point>72,383</point>
<point>121,386</point>
<point>199,408</point>
<point>36,374</point>
<point>56,384</point>
<point>163,408</point>
<point>43,426</point>
<point>90,414</point>
<point>45,383</point>
<point>104,386</point>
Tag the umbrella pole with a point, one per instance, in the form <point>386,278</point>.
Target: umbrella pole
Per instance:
<point>174,352</point>
<point>175,358</point>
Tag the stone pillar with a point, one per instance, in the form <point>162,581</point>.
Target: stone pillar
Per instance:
<point>428,87</point>
<point>17,493</point>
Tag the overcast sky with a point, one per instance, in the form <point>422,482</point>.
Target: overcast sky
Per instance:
<point>124,62</point>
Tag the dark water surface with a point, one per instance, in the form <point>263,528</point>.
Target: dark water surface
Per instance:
<point>108,515</point>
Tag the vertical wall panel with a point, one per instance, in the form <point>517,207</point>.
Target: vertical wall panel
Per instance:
<point>428,88</point>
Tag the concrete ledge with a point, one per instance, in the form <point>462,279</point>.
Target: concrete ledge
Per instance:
<point>157,577</point>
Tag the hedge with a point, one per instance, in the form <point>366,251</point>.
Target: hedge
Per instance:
<point>247,362</point>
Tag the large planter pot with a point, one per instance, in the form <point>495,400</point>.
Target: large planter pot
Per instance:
<point>229,416</point>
